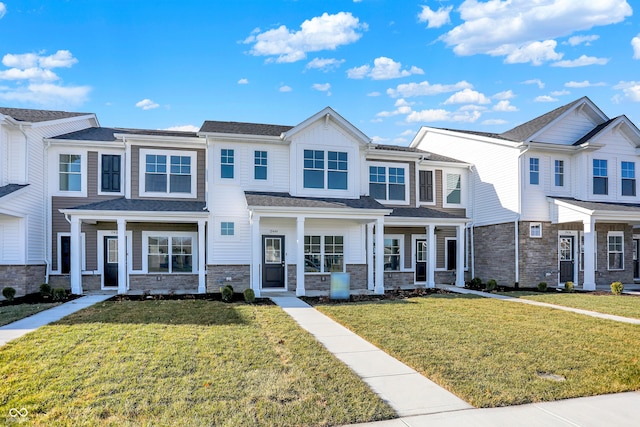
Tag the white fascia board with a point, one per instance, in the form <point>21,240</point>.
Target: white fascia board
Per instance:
<point>543,146</point>
<point>381,155</point>
<point>141,216</point>
<point>340,213</point>
<point>65,120</point>
<point>600,215</point>
<point>570,206</point>
<point>161,139</point>
<point>424,129</point>
<point>83,143</point>
<point>429,163</point>
<point>235,137</point>
<point>421,221</point>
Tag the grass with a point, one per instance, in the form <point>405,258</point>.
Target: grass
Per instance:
<point>491,353</point>
<point>184,363</point>
<point>627,306</point>
<point>11,313</point>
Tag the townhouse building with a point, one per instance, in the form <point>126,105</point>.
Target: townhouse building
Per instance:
<point>553,199</point>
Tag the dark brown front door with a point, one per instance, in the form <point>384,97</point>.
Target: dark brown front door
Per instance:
<point>110,261</point>
<point>565,254</point>
<point>273,261</point>
<point>421,260</point>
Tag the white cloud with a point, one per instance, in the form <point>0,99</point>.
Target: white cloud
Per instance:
<point>584,83</point>
<point>408,132</point>
<point>402,107</point>
<point>243,81</point>
<point>184,128</point>
<point>467,96</point>
<point>440,115</point>
<point>24,60</point>
<point>383,69</point>
<point>374,94</point>
<point>505,107</point>
<point>324,64</point>
<point>534,82</point>
<point>493,122</point>
<point>631,90</point>
<point>507,94</point>
<point>425,88</point>
<point>635,43</point>
<point>285,88</point>
<point>3,10</point>
<point>46,94</point>
<point>583,61</point>
<point>326,32</point>
<point>545,98</point>
<point>577,40</point>
<point>34,74</point>
<point>147,104</point>
<point>62,58</point>
<point>498,27</point>
<point>534,52</point>
<point>435,19</point>
<point>560,93</point>
<point>378,139</point>
<point>322,87</point>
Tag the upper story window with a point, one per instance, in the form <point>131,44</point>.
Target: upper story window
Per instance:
<point>110,177</point>
<point>226,163</point>
<point>387,183</point>
<point>534,171</point>
<point>600,180</point>
<point>167,173</point>
<point>454,188</point>
<point>559,173</point>
<point>70,172</point>
<point>628,173</point>
<point>426,186</point>
<point>336,170</point>
<point>260,165</point>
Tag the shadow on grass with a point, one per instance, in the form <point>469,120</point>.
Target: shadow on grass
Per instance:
<point>165,312</point>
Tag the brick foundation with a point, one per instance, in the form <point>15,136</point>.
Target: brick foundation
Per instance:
<point>167,282</point>
<point>25,279</point>
<point>217,276</point>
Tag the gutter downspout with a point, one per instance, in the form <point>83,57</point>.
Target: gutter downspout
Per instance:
<point>472,225</point>
<point>46,213</point>
<point>517,220</point>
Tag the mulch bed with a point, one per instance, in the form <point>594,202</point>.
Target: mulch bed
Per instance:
<point>237,297</point>
<point>396,294</point>
<point>36,298</point>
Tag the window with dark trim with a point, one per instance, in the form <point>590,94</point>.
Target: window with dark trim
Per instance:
<point>110,173</point>
<point>426,186</point>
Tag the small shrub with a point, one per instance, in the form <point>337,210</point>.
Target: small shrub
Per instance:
<point>9,293</point>
<point>475,283</point>
<point>568,287</point>
<point>227,293</point>
<point>491,285</point>
<point>45,290</point>
<point>542,286</point>
<point>59,294</point>
<point>249,296</point>
<point>617,288</point>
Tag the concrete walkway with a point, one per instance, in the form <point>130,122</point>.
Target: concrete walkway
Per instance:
<point>404,389</point>
<point>24,326</point>
<point>540,304</point>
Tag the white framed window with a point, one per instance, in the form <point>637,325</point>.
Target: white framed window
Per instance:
<point>168,173</point>
<point>323,254</point>
<point>260,165</point>
<point>169,252</point>
<point>325,169</point>
<point>453,191</point>
<point>535,229</point>
<point>388,183</point>
<point>615,250</point>
<point>227,228</point>
<point>534,171</point>
<point>227,161</point>
<point>70,172</point>
<point>393,252</point>
<point>628,174</point>
<point>600,179</point>
<point>558,166</point>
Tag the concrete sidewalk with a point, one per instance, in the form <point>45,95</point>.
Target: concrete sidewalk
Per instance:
<point>24,326</point>
<point>404,389</point>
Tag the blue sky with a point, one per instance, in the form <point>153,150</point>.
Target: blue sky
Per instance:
<point>388,67</point>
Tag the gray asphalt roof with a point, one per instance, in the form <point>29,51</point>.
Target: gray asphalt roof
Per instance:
<point>34,116</point>
<point>212,126</point>
<point>143,205</point>
<point>10,188</point>
<point>107,134</point>
<point>269,199</point>
<point>423,212</point>
<point>601,206</point>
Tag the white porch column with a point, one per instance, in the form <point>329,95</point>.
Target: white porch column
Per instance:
<point>460,256</point>
<point>431,256</point>
<point>123,275</point>
<point>256,255</point>
<point>379,284</point>
<point>300,291</point>
<point>589,283</point>
<point>370,266</point>
<point>75,261</point>
<point>202,284</point>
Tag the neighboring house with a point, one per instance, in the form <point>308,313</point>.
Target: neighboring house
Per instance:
<point>291,205</point>
<point>554,199</point>
<point>24,221</point>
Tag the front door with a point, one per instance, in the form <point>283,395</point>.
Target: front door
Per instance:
<point>451,254</point>
<point>273,261</point>
<point>110,261</point>
<point>421,260</point>
<point>636,262</point>
<point>565,255</point>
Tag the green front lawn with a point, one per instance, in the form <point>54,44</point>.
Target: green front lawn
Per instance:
<point>11,313</point>
<point>183,363</point>
<point>619,305</point>
<point>494,353</point>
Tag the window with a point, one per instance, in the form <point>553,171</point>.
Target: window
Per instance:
<point>226,163</point>
<point>337,170</point>
<point>323,254</point>
<point>156,173</point>
<point>426,186</point>
<point>227,228</point>
<point>628,172</point>
<point>70,171</point>
<point>169,254</point>
<point>260,165</point>
<point>167,172</point>
<point>600,180</point>
<point>559,173</point>
<point>535,229</point>
<point>534,171</point>
<point>110,178</point>
<point>615,252</point>
<point>387,183</point>
<point>180,176</point>
<point>313,169</point>
<point>453,188</point>
<point>392,254</point>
